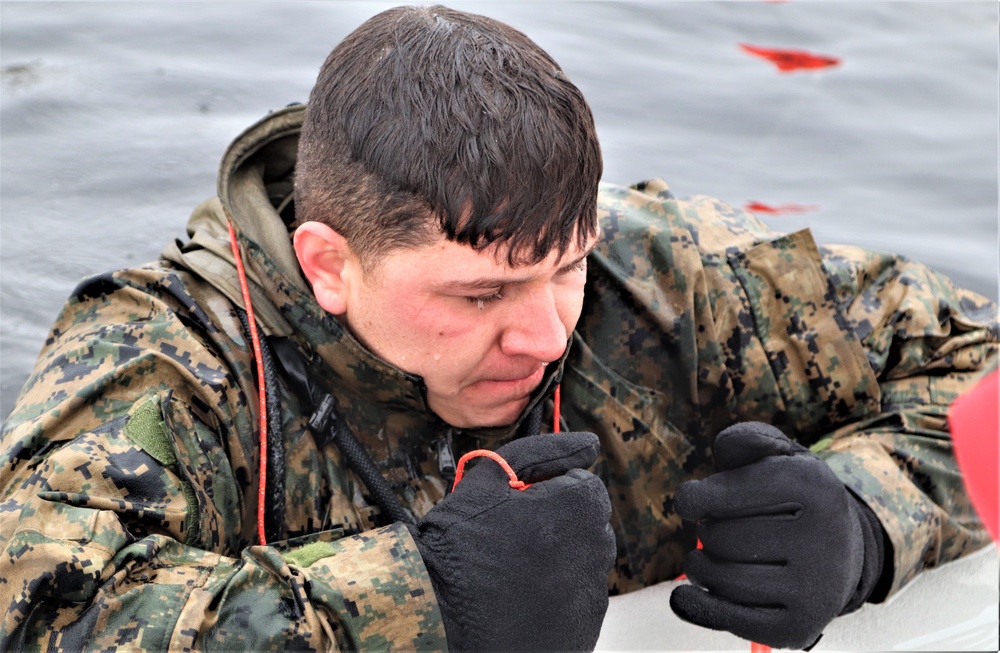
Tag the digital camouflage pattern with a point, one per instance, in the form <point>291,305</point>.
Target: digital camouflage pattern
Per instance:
<point>129,465</point>
<point>698,317</point>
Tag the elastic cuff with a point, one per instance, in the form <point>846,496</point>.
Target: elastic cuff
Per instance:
<point>874,559</point>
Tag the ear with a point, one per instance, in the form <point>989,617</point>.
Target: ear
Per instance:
<point>328,263</point>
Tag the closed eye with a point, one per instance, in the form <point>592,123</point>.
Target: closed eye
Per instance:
<point>483,301</point>
<point>579,265</point>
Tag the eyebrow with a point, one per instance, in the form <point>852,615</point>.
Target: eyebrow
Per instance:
<point>496,282</point>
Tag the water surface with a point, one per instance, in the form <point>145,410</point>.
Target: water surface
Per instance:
<point>115,115</point>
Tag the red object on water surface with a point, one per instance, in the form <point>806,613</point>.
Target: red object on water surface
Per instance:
<point>760,207</point>
<point>791,60</point>
<point>974,419</point>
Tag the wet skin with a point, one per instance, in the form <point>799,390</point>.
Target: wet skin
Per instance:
<point>478,331</point>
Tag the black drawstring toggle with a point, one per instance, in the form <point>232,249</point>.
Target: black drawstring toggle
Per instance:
<point>320,420</point>
<point>446,459</point>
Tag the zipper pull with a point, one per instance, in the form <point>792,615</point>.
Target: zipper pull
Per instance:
<point>322,418</point>
<point>446,460</point>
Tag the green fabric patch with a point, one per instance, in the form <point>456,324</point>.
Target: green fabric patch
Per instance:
<point>145,427</point>
<point>192,524</point>
<point>308,554</point>
<point>821,445</point>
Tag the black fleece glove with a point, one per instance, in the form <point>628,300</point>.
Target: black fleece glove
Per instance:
<point>786,546</point>
<point>523,570</point>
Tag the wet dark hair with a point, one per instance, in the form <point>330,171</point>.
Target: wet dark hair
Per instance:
<point>427,121</point>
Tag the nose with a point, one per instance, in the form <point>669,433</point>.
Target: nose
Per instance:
<point>535,329</point>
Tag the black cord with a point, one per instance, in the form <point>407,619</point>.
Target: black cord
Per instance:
<point>274,513</point>
<point>274,494</point>
<point>364,467</point>
<point>325,422</point>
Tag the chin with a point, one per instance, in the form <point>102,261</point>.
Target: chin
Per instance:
<point>487,418</point>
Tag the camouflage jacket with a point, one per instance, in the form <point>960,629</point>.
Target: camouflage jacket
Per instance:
<point>129,464</point>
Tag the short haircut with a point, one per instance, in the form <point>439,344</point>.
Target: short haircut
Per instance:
<point>427,121</point>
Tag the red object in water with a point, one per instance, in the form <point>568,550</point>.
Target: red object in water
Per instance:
<point>760,207</point>
<point>791,60</point>
<point>974,419</point>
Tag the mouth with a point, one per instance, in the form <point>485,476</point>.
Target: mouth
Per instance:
<point>514,387</point>
<point>494,401</point>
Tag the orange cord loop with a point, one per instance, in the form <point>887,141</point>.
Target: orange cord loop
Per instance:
<point>515,483</point>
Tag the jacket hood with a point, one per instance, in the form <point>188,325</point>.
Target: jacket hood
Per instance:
<point>255,195</point>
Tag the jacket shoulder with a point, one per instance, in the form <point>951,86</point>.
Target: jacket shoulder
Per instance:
<point>123,334</point>
<point>649,210</point>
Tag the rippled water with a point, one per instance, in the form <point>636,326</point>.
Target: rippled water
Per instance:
<point>115,115</point>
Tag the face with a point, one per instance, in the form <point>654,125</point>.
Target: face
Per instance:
<point>479,332</point>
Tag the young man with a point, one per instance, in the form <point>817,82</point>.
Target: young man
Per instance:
<point>421,295</point>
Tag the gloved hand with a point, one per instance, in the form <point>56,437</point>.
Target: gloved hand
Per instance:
<point>786,547</point>
<point>522,570</point>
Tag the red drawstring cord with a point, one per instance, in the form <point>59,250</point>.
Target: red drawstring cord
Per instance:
<point>261,391</point>
<point>498,459</point>
<point>555,410</point>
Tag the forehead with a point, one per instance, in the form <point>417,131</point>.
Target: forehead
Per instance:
<point>524,257</point>
<point>503,255</point>
<point>522,238</point>
<point>446,261</point>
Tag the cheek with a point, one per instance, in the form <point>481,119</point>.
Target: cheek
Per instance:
<point>446,347</point>
<point>570,306</point>
<point>435,322</point>
<point>395,326</point>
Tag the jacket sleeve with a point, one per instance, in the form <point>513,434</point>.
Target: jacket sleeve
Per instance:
<point>927,342</point>
<point>867,351</point>
<point>121,519</point>
<point>705,317</point>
